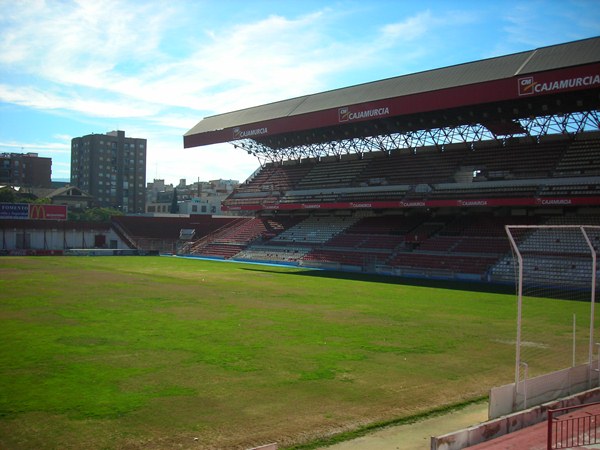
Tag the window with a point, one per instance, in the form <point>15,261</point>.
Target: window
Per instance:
<point>99,240</point>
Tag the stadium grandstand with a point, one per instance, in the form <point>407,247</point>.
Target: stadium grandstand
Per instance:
<point>416,175</point>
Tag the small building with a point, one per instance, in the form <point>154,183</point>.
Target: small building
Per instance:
<point>200,197</point>
<point>25,169</point>
<point>70,196</point>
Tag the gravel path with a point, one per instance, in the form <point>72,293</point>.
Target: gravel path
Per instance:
<point>417,436</point>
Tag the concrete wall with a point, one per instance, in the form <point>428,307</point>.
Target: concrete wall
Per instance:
<point>59,238</point>
<point>507,424</point>
<point>535,391</point>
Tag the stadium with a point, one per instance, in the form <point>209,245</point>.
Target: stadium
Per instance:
<point>416,175</point>
<point>430,196</point>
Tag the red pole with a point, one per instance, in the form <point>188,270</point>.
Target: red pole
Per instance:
<point>549,444</point>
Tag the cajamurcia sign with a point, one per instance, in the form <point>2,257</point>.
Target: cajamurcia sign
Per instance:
<point>242,134</point>
<point>347,114</point>
<point>528,85</point>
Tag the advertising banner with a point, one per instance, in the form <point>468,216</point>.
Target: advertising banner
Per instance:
<point>48,212</point>
<point>25,211</point>
<point>14,211</point>
<point>492,202</point>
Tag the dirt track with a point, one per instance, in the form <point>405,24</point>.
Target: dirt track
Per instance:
<point>417,436</point>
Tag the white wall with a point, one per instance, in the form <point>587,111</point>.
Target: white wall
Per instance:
<point>59,238</point>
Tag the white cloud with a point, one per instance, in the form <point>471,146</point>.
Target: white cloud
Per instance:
<point>110,48</point>
<point>45,149</point>
<point>250,64</point>
<point>96,105</point>
<point>409,29</point>
<point>561,22</point>
<point>79,42</point>
<point>169,161</point>
<point>114,51</point>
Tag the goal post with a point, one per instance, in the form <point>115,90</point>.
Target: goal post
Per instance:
<point>552,264</point>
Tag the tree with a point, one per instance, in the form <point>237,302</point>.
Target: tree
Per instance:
<point>8,195</point>
<point>93,214</point>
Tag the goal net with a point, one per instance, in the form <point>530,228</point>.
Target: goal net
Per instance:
<point>555,270</point>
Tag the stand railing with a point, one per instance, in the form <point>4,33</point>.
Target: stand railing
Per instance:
<point>573,431</point>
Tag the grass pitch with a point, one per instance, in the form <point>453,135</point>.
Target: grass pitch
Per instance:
<point>155,352</point>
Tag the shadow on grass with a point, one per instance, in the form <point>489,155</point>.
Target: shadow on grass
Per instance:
<point>474,286</point>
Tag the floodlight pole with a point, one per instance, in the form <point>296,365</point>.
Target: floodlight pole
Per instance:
<point>593,299</point>
<point>519,304</point>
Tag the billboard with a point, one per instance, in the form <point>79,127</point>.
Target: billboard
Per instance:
<point>25,211</point>
<point>528,201</point>
<point>14,211</point>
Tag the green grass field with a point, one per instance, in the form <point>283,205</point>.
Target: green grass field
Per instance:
<point>157,352</point>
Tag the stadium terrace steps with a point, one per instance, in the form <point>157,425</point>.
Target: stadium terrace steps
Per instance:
<point>473,245</point>
<point>316,229</point>
<point>581,158</point>
<point>234,238</point>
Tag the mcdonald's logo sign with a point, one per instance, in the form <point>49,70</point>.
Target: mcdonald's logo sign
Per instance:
<point>37,212</point>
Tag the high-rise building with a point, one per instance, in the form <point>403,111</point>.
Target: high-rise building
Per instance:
<point>111,168</point>
<point>25,170</point>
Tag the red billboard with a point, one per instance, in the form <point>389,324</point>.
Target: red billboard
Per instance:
<point>492,202</point>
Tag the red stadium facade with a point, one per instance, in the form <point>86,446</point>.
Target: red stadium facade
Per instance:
<point>397,175</point>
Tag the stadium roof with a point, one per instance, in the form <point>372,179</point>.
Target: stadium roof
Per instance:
<point>525,84</point>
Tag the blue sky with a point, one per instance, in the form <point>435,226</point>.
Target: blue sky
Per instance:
<point>156,68</point>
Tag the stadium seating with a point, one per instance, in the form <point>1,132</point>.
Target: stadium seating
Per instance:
<point>581,159</point>
<point>238,234</point>
<point>444,243</point>
<point>516,168</point>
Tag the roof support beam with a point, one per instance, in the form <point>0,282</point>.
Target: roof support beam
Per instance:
<point>469,134</point>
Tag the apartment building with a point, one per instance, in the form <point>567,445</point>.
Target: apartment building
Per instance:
<point>25,170</point>
<point>111,168</point>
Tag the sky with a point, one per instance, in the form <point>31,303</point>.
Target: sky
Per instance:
<point>156,68</point>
